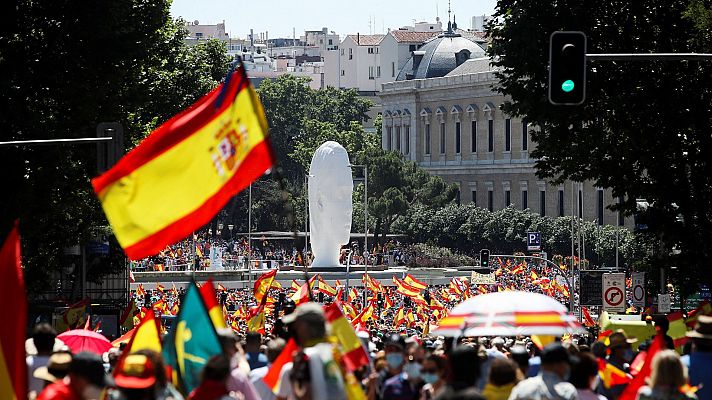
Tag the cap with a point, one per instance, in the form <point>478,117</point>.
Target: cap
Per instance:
<point>308,312</point>
<point>619,338</point>
<point>135,372</point>
<point>56,368</point>
<point>555,353</point>
<point>90,366</point>
<point>703,328</point>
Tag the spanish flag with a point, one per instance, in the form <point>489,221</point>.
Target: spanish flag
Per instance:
<point>207,292</point>
<point>13,369</point>
<point>409,279</point>
<point>186,170</point>
<point>147,335</point>
<point>263,284</point>
<point>354,355</point>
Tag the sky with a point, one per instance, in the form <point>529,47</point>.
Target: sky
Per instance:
<point>278,17</point>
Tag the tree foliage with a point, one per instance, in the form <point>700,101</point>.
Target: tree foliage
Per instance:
<point>67,66</point>
<point>644,130</point>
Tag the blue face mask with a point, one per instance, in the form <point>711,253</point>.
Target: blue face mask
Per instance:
<point>394,360</point>
<point>429,377</point>
<point>412,369</point>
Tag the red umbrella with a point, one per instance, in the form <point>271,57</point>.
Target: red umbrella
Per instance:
<point>85,340</point>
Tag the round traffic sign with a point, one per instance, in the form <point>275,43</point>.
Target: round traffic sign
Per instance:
<point>638,293</point>
<point>614,296</point>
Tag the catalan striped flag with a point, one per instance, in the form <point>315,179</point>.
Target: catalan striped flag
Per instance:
<point>13,367</point>
<point>186,170</point>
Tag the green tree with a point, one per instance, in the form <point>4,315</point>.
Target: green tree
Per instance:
<point>66,67</point>
<point>644,130</point>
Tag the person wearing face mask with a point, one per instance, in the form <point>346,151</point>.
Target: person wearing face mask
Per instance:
<point>620,355</point>
<point>405,385</point>
<point>584,376</point>
<point>394,356</point>
<point>433,375</point>
<point>551,382</point>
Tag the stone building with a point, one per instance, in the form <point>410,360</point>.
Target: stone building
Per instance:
<point>444,115</point>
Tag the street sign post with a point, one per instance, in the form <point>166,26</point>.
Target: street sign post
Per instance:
<point>591,288</point>
<point>614,292</point>
<point>663,303</point>
<point>534,241</point>
<point>638,288</point>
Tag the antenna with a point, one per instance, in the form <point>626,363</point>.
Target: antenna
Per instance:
<point>448,11</point>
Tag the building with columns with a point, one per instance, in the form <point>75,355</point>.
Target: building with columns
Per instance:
<point>453,127</point>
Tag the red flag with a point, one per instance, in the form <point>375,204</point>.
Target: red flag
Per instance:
<point>13,366</point>
<point>587,320</point>
<point>272,377</point>
<point>631,390</point>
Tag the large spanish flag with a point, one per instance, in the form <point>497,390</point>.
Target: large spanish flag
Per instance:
<point>13,367</point>
<point>185,171</point>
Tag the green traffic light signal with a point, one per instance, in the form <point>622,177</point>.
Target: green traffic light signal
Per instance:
<point>567,86</point>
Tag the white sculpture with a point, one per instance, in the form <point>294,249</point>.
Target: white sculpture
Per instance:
<point>330,203</point>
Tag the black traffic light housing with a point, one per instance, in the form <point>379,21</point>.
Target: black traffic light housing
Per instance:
<point>567,68</point>
<point>484,259</point>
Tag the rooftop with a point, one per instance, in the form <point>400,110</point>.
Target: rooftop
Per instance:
<point>412,37</point>
<point>473,66</point>
<point>367,40</point>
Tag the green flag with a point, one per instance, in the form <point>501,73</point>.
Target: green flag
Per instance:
<point>192,340</point>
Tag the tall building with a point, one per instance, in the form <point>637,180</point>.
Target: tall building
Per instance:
<point>445,116</point>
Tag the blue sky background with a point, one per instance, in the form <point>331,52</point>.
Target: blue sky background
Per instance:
<point>278,17</point>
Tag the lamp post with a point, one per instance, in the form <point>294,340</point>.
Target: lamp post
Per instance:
<point>249,234</point>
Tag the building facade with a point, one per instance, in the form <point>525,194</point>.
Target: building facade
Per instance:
<point>453,127</point>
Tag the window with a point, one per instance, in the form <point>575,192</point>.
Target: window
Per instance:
<point>331,41</point>
<point>351,53</point>
<point>389,140</point>
<point>457,138</point>
<point>474,197</point>
<point>580,203</point>
<point>393,68</point>
<point>412,47</point>
<point>621,217</point>
<point>442,138</point>
<point>473,134</point>
<point>507,198</point>
<point>342,52</point>
<point>398,146</point>
<point>427,139</point>
<point>370,50</point>
<point>407,139</point>
<point>599,206</point>
<point>542,203</point>
<point>378,71</point>
<point>508,135</point>
<point>561,202</point>
<point>525,135</point>
<point>490,200</point>
<point>457,197</point>
<point>370,72</point>
<point>525,199</point>
<point>198,34</point>
<point>490,136</point>
<point>343,72</point>
<point>321,41</point>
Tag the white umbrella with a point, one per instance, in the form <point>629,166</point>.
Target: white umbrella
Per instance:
<point>509,313</point>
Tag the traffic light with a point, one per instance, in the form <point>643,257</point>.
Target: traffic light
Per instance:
<point>484,259</point>
<point>567,68</point>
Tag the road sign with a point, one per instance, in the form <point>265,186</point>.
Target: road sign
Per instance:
<point>614,292</point>
<point>663,303</point>
<point>591,288</point>
<point>534,241</point>
<point>482,279</point>
<point>638,288</point>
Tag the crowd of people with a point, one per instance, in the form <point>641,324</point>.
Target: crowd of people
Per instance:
<point>400,366</point>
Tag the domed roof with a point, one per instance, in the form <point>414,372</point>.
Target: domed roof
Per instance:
<point>439,56</point>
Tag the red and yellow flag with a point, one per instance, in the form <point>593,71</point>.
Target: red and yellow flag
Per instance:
<point>207,292</point>
<point>146,336</point>
<point>186,170</point>
<point>263,283</point>
<point>409,279</point>
<point>301,295</point>
<point>354,355</point>
<point>405,289</point>
<point>13,367</point>
<point>274,371</point>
